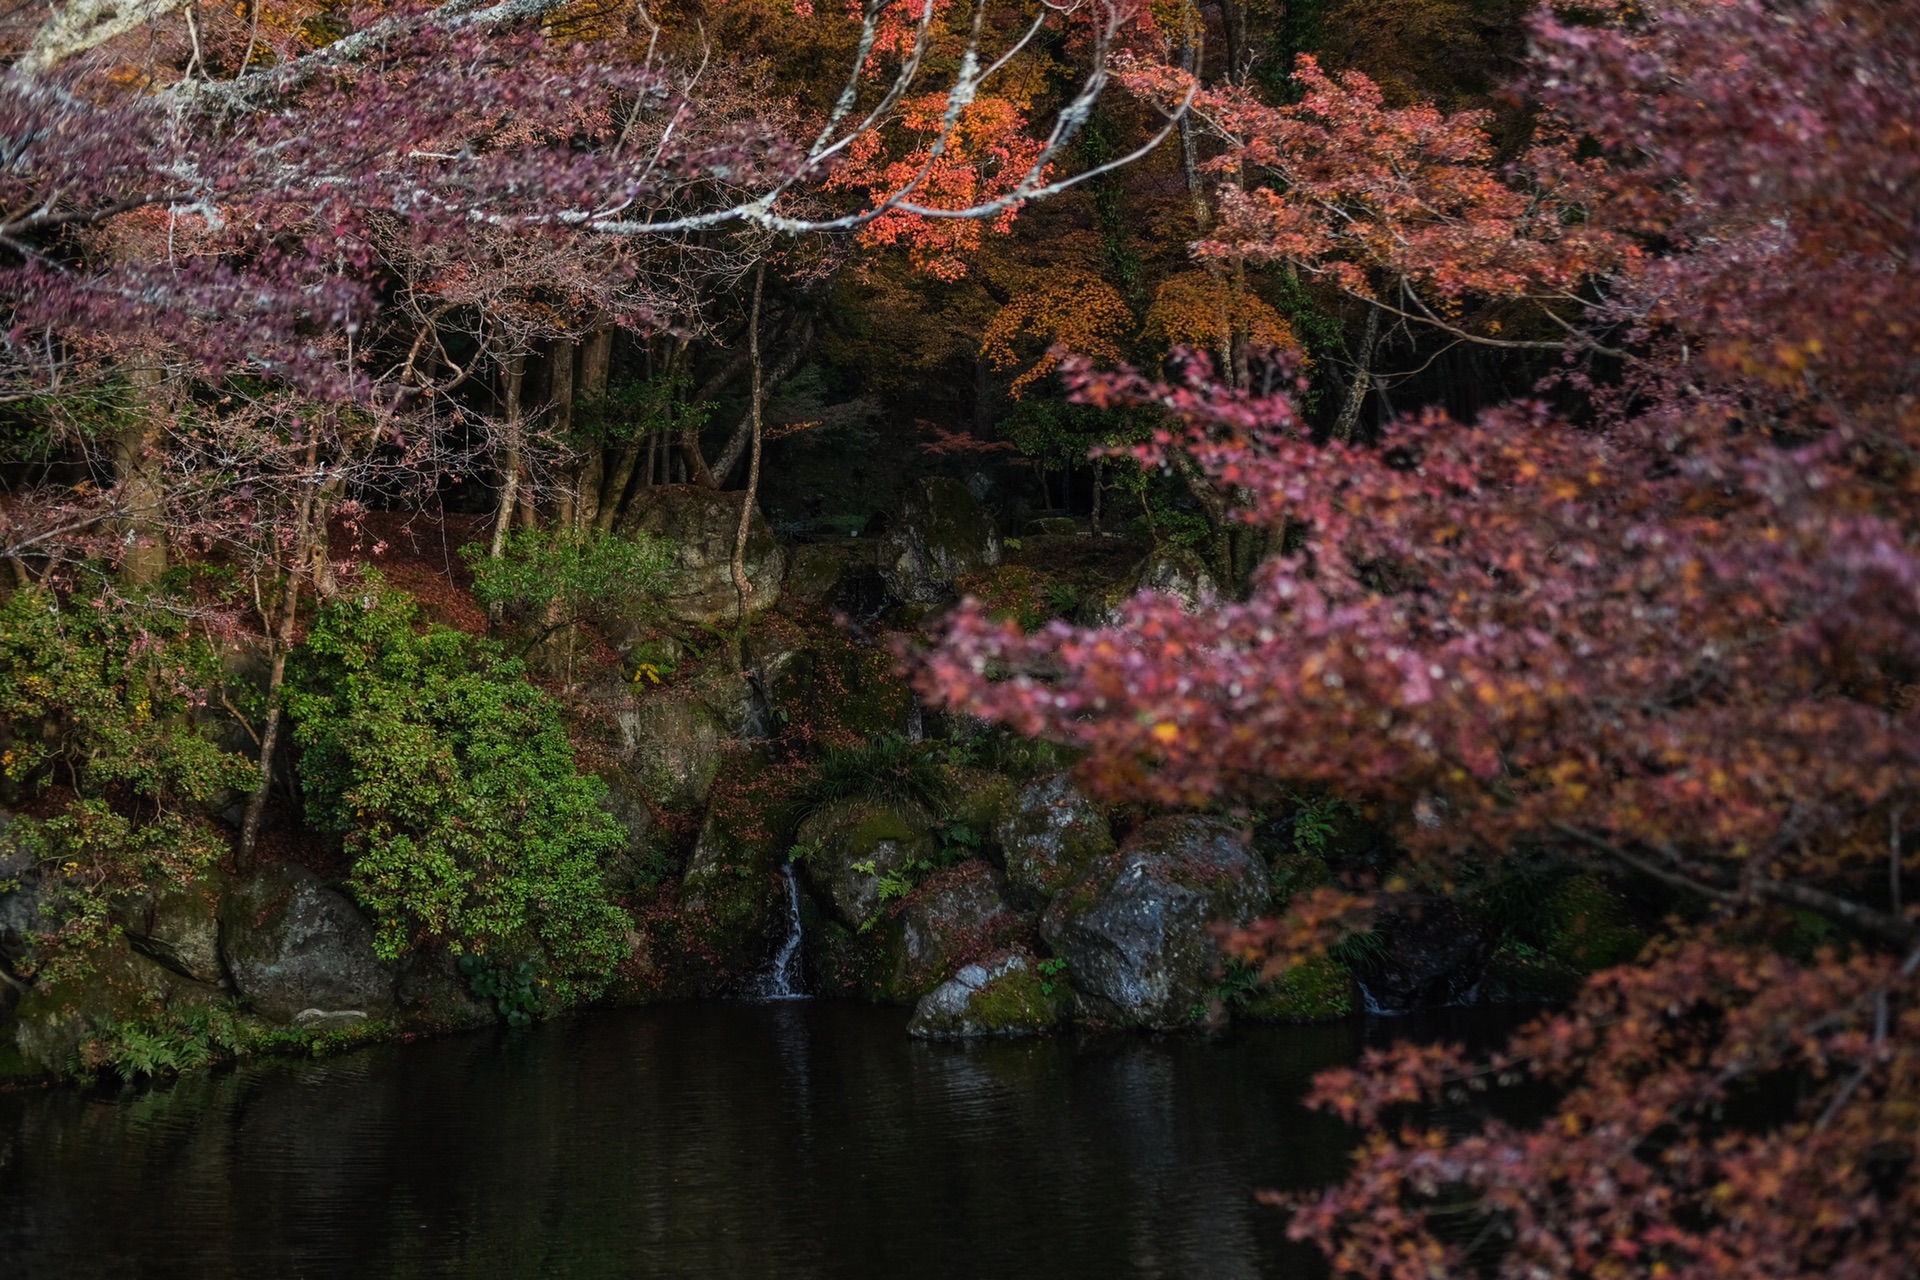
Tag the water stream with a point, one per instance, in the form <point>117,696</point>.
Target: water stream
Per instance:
<point>782,978</point>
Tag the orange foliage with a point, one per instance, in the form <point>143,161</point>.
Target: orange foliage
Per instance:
<point>986,156</point>
<point>1189,310</point>
<point>1067,311</point>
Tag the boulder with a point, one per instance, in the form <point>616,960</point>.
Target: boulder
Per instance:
<point>1052,834</point>
<point>24,890</point>
<point>1433,955</point>
<point>292,944</point>
<point>670,747</point>
<point>1169,570</point>
<point>703,525</point>
<point>940,532</point>
<point>953,915</point>
<point>1136,927</point>
<point>846,848</point>
<point>178,927</point>
<point>431,993</point>
<point>53,1020</point>
<point>999,996</point>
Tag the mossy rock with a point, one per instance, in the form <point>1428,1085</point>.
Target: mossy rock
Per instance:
<point>703,525</point>
<point>1589,929</point>
<point>1319,989</point>
<point>1138,928</point>
<point>940,533</point>
<point>178,927</point>
<point>955,914</point>
<point>982,800</point>
<point>1053,526</point>
<point>43,1037</point>
<point>850,845</point>
<point>1168,570</point>
<point>1052,833</point>
<point>815,570</point>
<point>671,747</point>
<point>1001,995</point>
<point>839,692</point>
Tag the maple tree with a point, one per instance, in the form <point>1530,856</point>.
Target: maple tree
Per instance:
<point>1678,642</point>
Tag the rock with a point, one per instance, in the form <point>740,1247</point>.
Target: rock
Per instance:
<point>1001,996</point>
<point>179,927</point>
<point>1135,928</point>
<point>1169,570</point>
<point>53,1020</point>
<point>703,524</point>
<point>290,944</point>
<point>671,746</point>
<point>732,900</point>
<point>954,914</point>
<point>815,570</point>
<point>850,844</point>
<point>1053,526</point>
<point>24,889</point>
<point>625,803</point>
<point>941,532</point>
<point>1434,956</point>
<point>1051,835</point>
<point>431,993</point>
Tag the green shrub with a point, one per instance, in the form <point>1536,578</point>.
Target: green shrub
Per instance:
<point>99,698</point>
<point>888,769</point>
<point>451,781</point>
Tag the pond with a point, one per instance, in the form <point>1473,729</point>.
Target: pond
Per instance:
<point>790,1139</point>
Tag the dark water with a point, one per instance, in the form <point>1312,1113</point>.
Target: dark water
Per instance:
<point>789,1140</point>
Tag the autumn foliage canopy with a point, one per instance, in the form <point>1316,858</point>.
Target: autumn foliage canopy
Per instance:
<point>1676,635</point>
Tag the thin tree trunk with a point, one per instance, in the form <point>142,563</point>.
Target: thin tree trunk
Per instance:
<point>142,488</point>
<point>783,368</point>
<point>1349,418</point>
<point>740,582</point>
<point>560,406</point>
<point>596,360</point>
<point>513,369</point>
<point>282,642</point>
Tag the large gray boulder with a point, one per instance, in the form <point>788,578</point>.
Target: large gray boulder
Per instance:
<point>703,525</point>
<point>955,914</point>
<point>940,532</point>
<point>998,996</point>
<point>291,944</point>
<point>1052,834</point>
<point>670,747</point>
<point>846,848</point>
<point>1168,570</point>
<point>1137,927</point>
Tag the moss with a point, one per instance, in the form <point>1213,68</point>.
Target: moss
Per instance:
<point>1320,990</point>
<point>1014,1001</point>
<point>877,825</point>
<point>1588,928</point>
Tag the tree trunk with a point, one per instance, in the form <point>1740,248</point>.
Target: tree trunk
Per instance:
<point>513,372</point>
<point>142,484</point>
<point>560,406</point>
<point>596,360</point>
<point>740,582</point>
<point>1349,418</point>
<point>783,368</point>
<point>282,641</point>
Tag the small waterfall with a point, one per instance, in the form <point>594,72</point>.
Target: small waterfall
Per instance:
<point>916,723</point>
<point>781,981</point>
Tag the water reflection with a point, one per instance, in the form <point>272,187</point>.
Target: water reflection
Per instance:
<point>792,1139</point>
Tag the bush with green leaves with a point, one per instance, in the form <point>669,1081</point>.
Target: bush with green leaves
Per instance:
<point>558,580</point>
<point>99,698</point>
<point>451,781</point>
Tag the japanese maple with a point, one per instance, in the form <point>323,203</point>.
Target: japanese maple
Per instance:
<point>1678,641</point>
